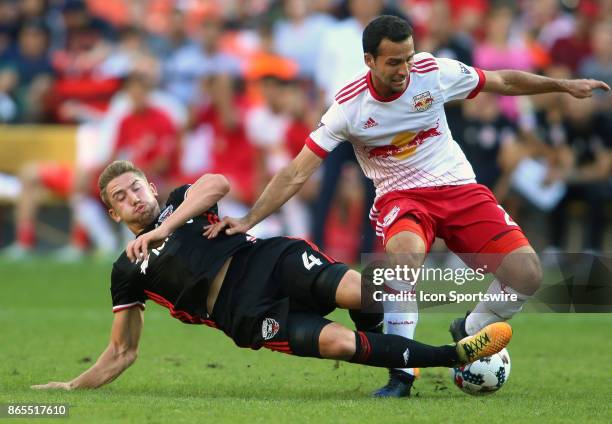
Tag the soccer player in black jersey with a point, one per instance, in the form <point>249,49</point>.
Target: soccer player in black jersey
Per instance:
<point>271,293</point>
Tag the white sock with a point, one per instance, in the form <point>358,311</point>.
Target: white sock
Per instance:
<point>486,313</point>
<point>92,217</point>
<point>401,318</point>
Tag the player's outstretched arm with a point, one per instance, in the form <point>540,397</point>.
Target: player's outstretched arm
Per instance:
<point>200,197</point>
<point>518,83</point>
<point>281,188</point>
<point>118,356</point>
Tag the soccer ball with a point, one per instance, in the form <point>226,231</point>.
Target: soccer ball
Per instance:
<point>484,376</point>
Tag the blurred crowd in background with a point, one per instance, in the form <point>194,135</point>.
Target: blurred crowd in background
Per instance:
<point>185,87</point>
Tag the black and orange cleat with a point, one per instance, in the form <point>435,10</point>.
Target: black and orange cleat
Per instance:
<point>491,339</point>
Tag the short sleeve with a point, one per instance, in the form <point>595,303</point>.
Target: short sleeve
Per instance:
<point>175,199</point>
<point>331,131</point>
<point>177,196</point>
<point>458,80</point>
<point>125,291</point>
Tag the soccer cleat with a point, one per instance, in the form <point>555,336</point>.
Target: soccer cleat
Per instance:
<point>491,339</point>
<point>68,254</point>
<point>15,252</point>
<point>457,328</point>
<point>399,385</point>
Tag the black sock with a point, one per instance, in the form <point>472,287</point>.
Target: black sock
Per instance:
<point>391,351</point>
<point>372,322</point>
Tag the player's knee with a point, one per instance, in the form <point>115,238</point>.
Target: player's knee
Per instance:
<point>29,175</point>
<point>337,342</point>
<point>406,249</point>
<point>529,274</point>
<point>401,255</point>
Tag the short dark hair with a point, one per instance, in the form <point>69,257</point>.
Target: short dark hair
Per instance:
<point>385,26</point>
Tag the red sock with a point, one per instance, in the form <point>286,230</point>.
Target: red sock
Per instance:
<point>26,236</point>
<point>79,237</point>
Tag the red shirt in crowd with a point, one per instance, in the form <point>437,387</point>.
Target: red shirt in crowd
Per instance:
<point>232,154</point>
<point>147,137</point>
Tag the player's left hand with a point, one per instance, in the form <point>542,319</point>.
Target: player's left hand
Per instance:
<point>53,385</point>
<point>233,225</point>
<point>583,88</point>
<point>138,249</point>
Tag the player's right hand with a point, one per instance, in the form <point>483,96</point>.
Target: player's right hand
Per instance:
<point>138,249</point>
<point>53,385</point>
<point>232,225</point>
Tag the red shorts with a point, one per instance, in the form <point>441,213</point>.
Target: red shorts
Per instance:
<point>58,178</point>
<point>467,217</point>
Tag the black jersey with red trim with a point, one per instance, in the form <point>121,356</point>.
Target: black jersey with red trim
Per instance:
<point>178,273</point>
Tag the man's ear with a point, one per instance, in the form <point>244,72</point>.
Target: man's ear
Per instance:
<point>369,60</point>
<point>153,189</point>
<point>114,215</point>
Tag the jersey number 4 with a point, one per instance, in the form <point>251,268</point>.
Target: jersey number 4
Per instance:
<point>310,261</point>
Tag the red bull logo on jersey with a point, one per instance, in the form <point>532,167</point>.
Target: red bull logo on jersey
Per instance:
<point>405,144</point>
<point>423,101</point>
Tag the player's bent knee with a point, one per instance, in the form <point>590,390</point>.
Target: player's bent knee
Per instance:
<point>406,248</point>
<point>337,342</point>
<point>531,274</point>
<point>348,293</point>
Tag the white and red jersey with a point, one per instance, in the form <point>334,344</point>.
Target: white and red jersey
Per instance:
<point>403,142</point>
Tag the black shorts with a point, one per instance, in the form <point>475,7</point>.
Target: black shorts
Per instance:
<point>275,295</point>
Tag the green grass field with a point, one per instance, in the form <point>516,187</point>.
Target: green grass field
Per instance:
<point>55,321</point>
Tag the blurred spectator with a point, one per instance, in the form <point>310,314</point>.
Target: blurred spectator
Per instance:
<point>464,15</point>
<point>79,90</point>
<point>267,126</point>
<point>341,55</point>
<point>570,51</point>
<point>81,29</point>
<point>189,64</point>
<point>147,135</point>
<point>502,49</point>
<point>342,235</point>
<point>224,146</point>
<point>488,140</point>
<point>31,65</point>
<point>599,64</point>
<point>8,105</point>
<point>9,24</point>
<point>265,61</point>
<point>174,38</point>
<point>547,20</point>
<point>441,40</point>
<point>299,33</point>
<point>37,11</point>
<point>130,55</point>
<point>588,142</point>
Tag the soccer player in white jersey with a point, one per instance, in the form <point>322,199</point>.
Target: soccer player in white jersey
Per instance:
<point>393,115</point>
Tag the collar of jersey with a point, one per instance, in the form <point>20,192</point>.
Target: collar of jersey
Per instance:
<point>149,227</point>
<point>378,96</point>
